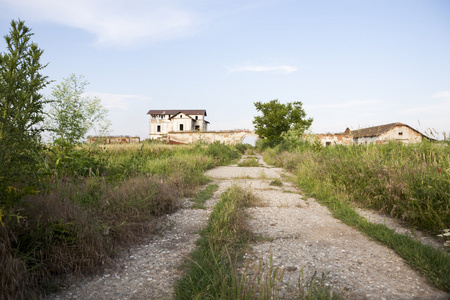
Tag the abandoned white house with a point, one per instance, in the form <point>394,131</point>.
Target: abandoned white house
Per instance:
<point>164,121</point>
<point>398,132</point>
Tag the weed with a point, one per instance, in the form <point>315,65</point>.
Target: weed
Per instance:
<point>249,162</point>
<point>276,182</point>
<point>91,202</point>
<point>401,180</point>
<point>223,154</point>
<point>214,269</point>
<point>205,194</point>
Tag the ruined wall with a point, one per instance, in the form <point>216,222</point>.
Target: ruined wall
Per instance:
<point>114,140</point>
<point>230,137</point>
<point>328,139</point>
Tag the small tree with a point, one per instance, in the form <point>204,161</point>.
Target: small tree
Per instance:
<point>278,118</point>
<point>72,115</point>
<point>21,110</point>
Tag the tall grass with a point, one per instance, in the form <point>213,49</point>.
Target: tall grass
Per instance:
<point>93,200</point>
<point>408,182</point>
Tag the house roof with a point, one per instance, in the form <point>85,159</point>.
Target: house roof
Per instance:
<point>377,130</point>
<point>172,112</point>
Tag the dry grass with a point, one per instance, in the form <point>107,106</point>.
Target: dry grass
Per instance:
<point>96,200</point>
<point>77,228</point>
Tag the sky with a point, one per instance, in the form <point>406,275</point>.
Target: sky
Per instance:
<point>352,63</point>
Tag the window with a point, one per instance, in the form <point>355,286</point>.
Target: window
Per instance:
<point>181,116</point>
<point>181,127</point>
<point>328,143</point>
<point>196,117</point>
<point>400,133</point>
<point>197,127</point>
<point>158,128</point>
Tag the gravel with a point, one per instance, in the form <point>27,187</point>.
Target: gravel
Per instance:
<point>299,234</point>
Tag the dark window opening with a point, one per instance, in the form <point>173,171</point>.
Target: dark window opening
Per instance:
<point>181,127</point>
<point>400,133</point>
<point>181,116</point>
<point>328,143</point>
<point>196,117</point>
<point>158,128</point>
<point>197,127</point>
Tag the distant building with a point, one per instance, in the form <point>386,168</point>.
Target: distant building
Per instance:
<point>164,121</point>
<point>381,134</point>
<point>343,138</point>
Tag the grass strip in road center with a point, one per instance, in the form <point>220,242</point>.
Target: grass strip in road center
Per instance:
<point>212,270</point>
<point>209,269</point>
<point>205,194</point>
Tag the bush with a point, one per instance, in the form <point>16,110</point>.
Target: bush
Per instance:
<point>223,154</point>
<point>96,199</point>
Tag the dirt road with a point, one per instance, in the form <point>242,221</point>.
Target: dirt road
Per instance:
<point>299,234</point>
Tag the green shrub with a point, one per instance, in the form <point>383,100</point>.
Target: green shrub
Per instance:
<point>249,162</point>
<point>223,154</point>
<point>95,200</point>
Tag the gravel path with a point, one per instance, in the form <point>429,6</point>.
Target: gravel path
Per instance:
<point>299,234</point>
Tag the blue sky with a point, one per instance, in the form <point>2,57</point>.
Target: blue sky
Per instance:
<point>352,63</point>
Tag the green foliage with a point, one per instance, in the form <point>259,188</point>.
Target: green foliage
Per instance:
<point>242,148</point>
<point>223,154</point>
<point>98,198</point>
<point>278,118</point>
<point>210,273</point>
<point>276,182</point>
<point>59,162</point>
<point>204,195</point>
<point>21,112</point>
<point>215,270</point>
<point>72,115</point>
<point>403,181</point>
<point>249,162</point>
<point>292,138</point>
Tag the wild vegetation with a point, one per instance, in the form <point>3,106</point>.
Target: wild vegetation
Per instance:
<point>408,182</point>
<point>278,118</point>
<point>215,269</point>
<point>91,201</point>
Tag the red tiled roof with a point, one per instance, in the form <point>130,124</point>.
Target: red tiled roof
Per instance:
<point>172,112</point>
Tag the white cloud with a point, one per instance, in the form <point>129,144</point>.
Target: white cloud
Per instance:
<point>115,101</point>
<point>113,22</point>
<point>443,94</point>
<point>263,68</point>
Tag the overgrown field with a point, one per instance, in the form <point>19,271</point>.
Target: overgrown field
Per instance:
<point>90,201</point>
<point>409,182</point>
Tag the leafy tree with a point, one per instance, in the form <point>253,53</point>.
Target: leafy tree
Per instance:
<point>72,115</point>
<point>278,118</point>
<point>21,110</point>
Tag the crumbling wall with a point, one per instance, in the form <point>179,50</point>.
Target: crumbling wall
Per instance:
<point>113,139</point>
